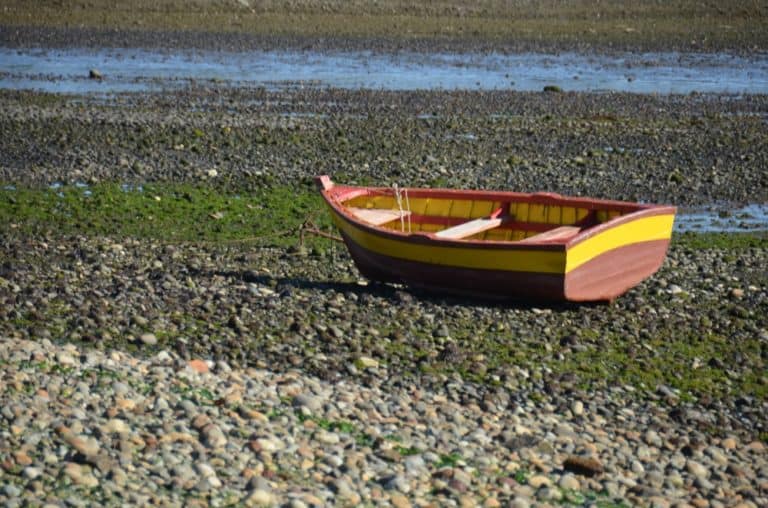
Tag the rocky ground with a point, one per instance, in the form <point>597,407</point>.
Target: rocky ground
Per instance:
<point>140,371</point>
<point>227,375</point>
<point>686,150</point>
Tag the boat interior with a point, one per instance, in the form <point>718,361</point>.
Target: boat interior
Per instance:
<point>457,218</point>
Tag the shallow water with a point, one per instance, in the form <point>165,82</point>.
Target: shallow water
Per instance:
<point>67,71</point>
<point>752,217</point>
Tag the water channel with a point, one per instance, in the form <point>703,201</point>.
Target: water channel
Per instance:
<point>122,70</point>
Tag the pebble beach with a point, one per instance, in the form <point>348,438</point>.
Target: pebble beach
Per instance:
<point>110,429</point>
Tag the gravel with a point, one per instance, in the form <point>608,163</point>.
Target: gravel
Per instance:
<point>237,436</point>
<point>284,411</point>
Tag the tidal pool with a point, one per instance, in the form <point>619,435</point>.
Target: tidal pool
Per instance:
<point>752,217</point>
<point>67,71</point>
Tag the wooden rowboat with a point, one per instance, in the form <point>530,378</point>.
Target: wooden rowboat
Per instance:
<point>500,244</point>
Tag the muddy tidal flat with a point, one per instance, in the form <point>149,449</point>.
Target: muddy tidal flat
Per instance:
<point>169,337</point>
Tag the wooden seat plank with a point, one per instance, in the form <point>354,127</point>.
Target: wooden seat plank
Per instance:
<point>378,216</point>
<point>470,228</point>
<point>560,234</point>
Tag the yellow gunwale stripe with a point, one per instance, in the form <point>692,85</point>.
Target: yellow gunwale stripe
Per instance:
<point>646,229</point>
<point>520,260</point>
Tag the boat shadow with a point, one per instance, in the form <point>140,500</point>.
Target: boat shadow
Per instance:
<point>397,294</point>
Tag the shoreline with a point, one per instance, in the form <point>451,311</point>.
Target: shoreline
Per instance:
<point>26,36</point>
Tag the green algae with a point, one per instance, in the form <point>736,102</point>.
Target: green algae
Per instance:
<point>166,212</point>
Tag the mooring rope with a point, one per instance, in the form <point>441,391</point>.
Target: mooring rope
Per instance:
<point>399,200</point>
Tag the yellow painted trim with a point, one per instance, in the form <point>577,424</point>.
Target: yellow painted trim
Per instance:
<point>657,227</point>
<point>488,259</point>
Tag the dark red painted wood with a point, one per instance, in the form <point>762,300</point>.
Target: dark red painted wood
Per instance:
<point>612,273</point>
<point>488,284</point>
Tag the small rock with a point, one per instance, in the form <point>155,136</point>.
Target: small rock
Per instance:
<point>80,475</point>
<point>674,289</point>
<point>652,438</point>
<point>327,437</point>
<point>702,483</point>
<point>259,498</point>
<point>11,490</point>
<point>88,446</point>
<point>700,502</point>
<point>32,472</point>
<point>199,366</point>
<point>441,331</point>
<point>65,358</point>
<point>569,482</point>
<point>520,502</point>
<point>549,494</point>
<point>399,501</point>
<point>163,358</point>
<point>414,464</point>
<point>22,458</point>
<point>269,445</point>
<point>365,362</point>
<point>204,469</point>
<point>117,426</point>
<point>585,466</point>
<point>537,481</point>
<point>95,74</point>
<point>398,483</point>
<point>696,469</point>
<point>208,484</point>
<point>148,339</point>
<point>310,402</point>
<point>213,437</point>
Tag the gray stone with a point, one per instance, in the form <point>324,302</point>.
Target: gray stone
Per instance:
<point>208,484</point>
<point>213,437</point>
<point>311,402</point>
<point>654,479</point>
<point>415,464</point>
<point>32,472</point>
<point>569,482</point>
<point>696,469</point>
<point>398,483</point>
<point>11,490</point>
<point>259,498</point>
<point>148,339</point>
